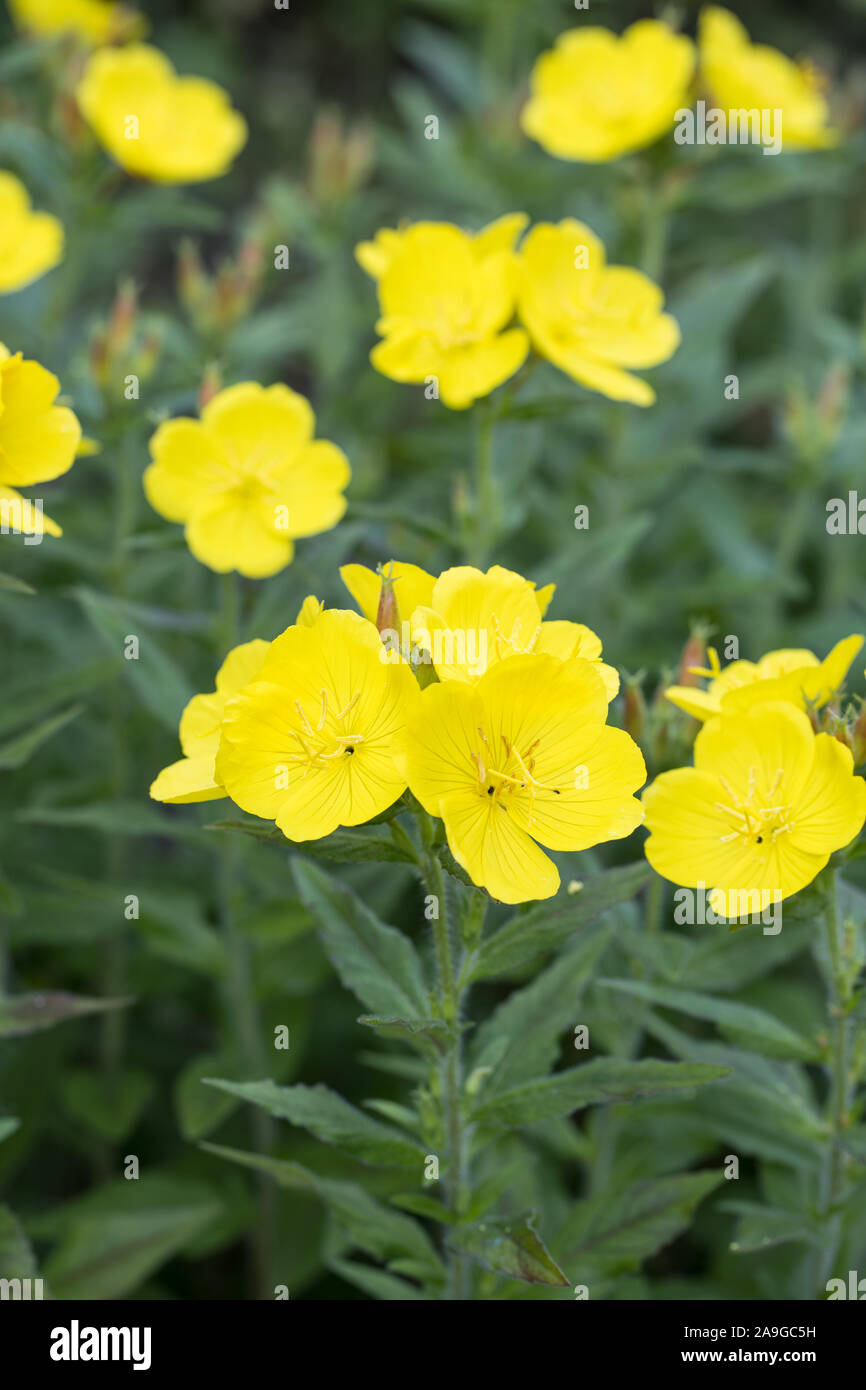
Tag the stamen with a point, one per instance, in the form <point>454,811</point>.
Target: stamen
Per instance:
<point>324,712</point>
<point>304,720</point>
<point>351,705</point>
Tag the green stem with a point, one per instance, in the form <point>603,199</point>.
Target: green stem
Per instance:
<point>833,1181</point>
<point>451,998</point>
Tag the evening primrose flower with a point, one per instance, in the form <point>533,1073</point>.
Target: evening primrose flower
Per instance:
<point>741,75</point>
<point>92,21</point>
<point>596,95</point>
<point>246,478</point>
<point>31,243</point>
<point>758,816</point>
<point>38,439</point>
<point>592,320</point>
<point>475,619</point>
<point>193,777</point>
<point>310,743</point>
<point>794,674</point>
<point>156,124</point>
<point>446,298</point>
<point>522,758</point>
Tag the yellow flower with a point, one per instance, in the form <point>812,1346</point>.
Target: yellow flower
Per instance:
<point>93,21</point>
<point>246,478</point>
<point>193,778</point>
<point>474,619</point>
<point>758,816</point>
<point>309,744</point>
<point>596,96</point>
<point>38,439</point>
<point>523,756</point>
<point>157,125</point>
<point>794,675</point>
<point>412,586</point>
<point>590,319</point>
<point>446,297</point>
<point>30,242</point>
<point>748,76</point>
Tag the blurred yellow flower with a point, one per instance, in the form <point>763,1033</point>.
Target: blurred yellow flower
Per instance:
<point>309,744</point>
<point>446,298</point>
<point>193,778</point>
<point>794,675</point>
<point>758,816</point>
<point>523,756</point>
<point>596,96</point>
<point>38,439</point>
<point>474,619</point>
<point>30,242</point>
<point>590,319</point>
<point>247,478</point>
<point>156,124</point>
<point>94,21</point>
<point>740,75</point>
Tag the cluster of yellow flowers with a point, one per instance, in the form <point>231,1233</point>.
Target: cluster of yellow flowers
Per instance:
<point>495,718</point>
<point>508,742</point>
<point>596,96</point>
<point>447,299</point>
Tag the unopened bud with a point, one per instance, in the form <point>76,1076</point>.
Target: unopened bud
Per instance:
<point>388,612</point>
<point>211,384</point>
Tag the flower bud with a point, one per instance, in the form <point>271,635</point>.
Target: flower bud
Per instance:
<point>388,612</point>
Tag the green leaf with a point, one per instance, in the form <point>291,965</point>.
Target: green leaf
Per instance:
<point>158,682</point>
<point>17,1260</point>
<point>382,1232</point>
<point>759,1227</point>
<point>614,1232</point>
<point>420,1205</point>
<point>344,846</point>
<point>21,1014</point>
<point>376,1282</point>
<point>112,817</point>
<point>376,962</point>
<point>115,1237</point>
<point>542,929</point>
<point>608,1079</point>
<point>11,584</point>
<point>521,1039</point>
<point>109,1105</point>
<point>201,1109</point>
<point>764,1033</point>
<point>427,1032</point>
<point>8,1125</point>
<point>19,750</point>
<point>27,699</point>
<point>513,1248</point>
<point>332,1119</point>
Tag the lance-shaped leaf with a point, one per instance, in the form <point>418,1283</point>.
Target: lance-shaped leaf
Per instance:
<point>18,750</point>
<point>513,1248</point>
<point>343,846</point>
<point>542,929</point>
<point>424,1033</point>
<point>30,1013</point>
<point>332,1119</point>
<point>763,1032</point>
<point>614,1232</point>
<point>378,963</point>
<point>606,1080</point>
<point>384,1233</point>
<point>8,1125</point>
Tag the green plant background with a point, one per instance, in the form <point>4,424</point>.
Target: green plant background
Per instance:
<point>700,507</point>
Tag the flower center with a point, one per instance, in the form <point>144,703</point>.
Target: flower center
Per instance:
<point>758,818</point>
<point>511,645</point>
<point>319,744</point>
<point>503,776</point>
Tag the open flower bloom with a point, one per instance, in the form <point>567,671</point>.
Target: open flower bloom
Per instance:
<point>592,320</point>
<point>740,75</point>
<point>309,744</point>
<point>193,778</point>
<point>156,124</point>
<point>446,297</point>
<point>412,586</point>
<point>38,439</point>
<point>30,242</point>
<point>758,816</point>
<point>795,675</point>
<point>596,95</point>
<point>93,21</point>
<point>523,756</point>
<point>475,619</point>
<point>247,478</point>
